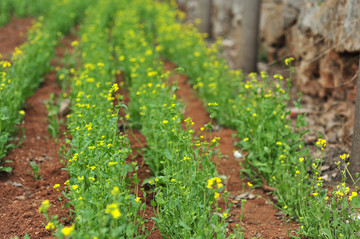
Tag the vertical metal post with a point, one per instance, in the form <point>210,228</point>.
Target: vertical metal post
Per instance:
<point>205,16</point>
<point>354,166</point>
<point>249,37</point>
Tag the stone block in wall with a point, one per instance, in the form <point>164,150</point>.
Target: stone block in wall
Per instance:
<point>335,20</point>
<point>272,23</point>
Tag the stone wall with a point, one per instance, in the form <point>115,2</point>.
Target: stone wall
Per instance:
<point>322,35</point>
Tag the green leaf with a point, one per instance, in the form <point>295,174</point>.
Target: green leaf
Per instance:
<point>183,224</point>
<point>130,229</point>
<point>355,202</point>
<point>326,216</point>
<point>5,169</point>
<point>327,232</point>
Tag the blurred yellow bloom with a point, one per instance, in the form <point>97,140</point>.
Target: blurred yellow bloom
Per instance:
<point>57,186</point>
<point>288,61</point>
<point>74,43</point>
<point>353,194</point>
<point>50,226</point>
<point>113,210</point>
<point>66,231</point>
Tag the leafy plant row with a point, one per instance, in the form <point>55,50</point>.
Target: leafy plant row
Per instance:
<point>99,188</point>
<point>22,8</point>
<point>256,107</point>
<point>185,180</point>
<point>30,62</point>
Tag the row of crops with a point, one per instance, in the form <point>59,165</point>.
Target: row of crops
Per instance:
<point>29,63</point>
<point>118,38</point>
<point>22,8</point>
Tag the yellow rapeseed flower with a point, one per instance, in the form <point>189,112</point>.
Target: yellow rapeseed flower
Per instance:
<point>57,186</point>
<point>288,61</point>
<point>321,143</point>
<point>152,73</point>
<point>74,43</point>
<point>114,87</point>
<point>66,231</point>
<point>353,194</point>
<point>344,156</point>
<point>278,76</point>
<point>115,191</point>
<point>44,206</point>
<point>113,210</point>
<point>50,226</point>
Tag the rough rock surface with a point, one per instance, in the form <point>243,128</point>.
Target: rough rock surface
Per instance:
<point>322,35</point>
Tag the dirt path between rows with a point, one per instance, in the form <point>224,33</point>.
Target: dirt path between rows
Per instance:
<point>13,34</point>
<point>20,194</point>
<point>261,219</point>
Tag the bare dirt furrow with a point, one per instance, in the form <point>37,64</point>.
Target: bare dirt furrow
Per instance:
<point>13,34</point>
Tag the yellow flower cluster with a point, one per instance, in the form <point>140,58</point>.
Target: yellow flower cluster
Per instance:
<point>50,226</point>
<point>66,231</point>
<point>214,180</point>
<point>113,210</point>
<point>288,61</point>
<point>45,205</point>
<point>342,190</point>
<point>321,143</point>
<point>353,194</point>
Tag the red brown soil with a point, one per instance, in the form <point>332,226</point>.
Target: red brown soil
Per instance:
<point>13,34</point>
<point>260,219</point>
<point>19,203</point>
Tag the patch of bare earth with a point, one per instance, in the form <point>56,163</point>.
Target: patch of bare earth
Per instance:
<point>13,34</point>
